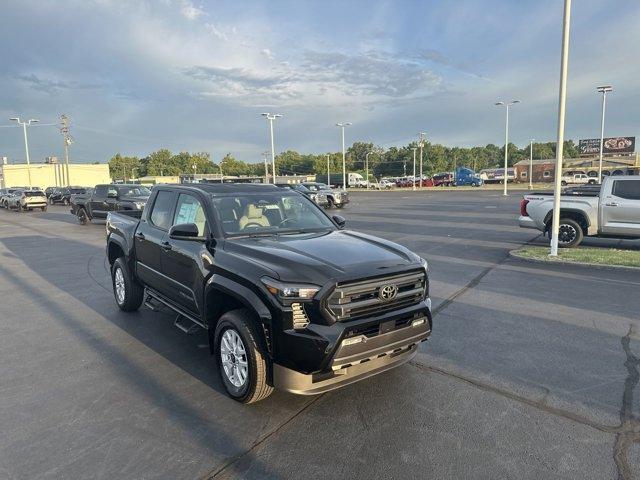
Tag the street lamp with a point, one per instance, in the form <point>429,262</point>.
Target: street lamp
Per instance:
<point>602,89</point>
<point>265,155</point>
<point>344,162</point>
<point>506,140</point>
<point>328,171</point>
<point>422,135</point>
<point>562,103</point>
<point>271,117</point>
<point>26,142</point>
<point>531,164</point>
<point>366,162</point>
<point>414,167</point>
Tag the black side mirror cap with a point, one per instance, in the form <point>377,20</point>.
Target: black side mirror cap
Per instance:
<point>340,220</point>
<point>185,231</point>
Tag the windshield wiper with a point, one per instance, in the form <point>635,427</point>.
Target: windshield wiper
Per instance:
<point>303,230</point>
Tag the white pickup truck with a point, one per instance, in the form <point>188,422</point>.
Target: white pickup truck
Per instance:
<point>613,210</point>
<point>578,179</point>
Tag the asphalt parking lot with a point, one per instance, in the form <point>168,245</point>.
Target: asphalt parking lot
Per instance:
<point>531,370</point>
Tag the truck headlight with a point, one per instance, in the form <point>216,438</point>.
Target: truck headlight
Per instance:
<point>289,292</point>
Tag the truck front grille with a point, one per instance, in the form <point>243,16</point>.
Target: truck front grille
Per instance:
<point>360,299</point>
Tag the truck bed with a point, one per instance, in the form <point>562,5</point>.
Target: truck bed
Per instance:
<point>582,191</point>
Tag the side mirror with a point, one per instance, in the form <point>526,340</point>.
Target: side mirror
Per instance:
<point>185,231</point>
<point>340,221</point>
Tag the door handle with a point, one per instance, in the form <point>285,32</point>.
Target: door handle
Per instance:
<point>140,235</point>
<point>611,204</point>
<point>166,246</point>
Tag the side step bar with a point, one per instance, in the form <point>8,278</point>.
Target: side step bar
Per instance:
<point>182,316</point>
<point>179,322</point>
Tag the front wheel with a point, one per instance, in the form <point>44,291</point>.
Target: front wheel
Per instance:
<point>563,183</point>
<point>65,201</point>
<point>128,292</point>
<point>242,363</point>
<point>82,216</point>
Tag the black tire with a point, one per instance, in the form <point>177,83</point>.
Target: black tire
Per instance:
<point>331,203</point>
<point>83,218</point>
<point>65,201</point>
<point>563,183</point>
<point>570,233</point>
<point>44,209</point>
<point>341,205</point>
<point>255,386</point>
<point>133,293</point>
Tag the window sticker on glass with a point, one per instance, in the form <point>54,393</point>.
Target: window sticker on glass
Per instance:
<point>187,211</point>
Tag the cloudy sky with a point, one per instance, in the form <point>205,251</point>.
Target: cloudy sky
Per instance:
<point>136,75</point>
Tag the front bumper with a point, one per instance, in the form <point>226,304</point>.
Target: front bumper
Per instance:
<point>526,222</point>
<point>356,361</point>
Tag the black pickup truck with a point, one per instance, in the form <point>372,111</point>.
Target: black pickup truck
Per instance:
<point>291,300</point>
<point>108,198</point>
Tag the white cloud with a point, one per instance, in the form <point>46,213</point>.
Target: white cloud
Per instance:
<point>216,32</point>
<point>190,11</point>
<point>267,53</point>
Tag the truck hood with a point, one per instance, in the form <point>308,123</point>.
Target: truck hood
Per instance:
<point>320,257</point>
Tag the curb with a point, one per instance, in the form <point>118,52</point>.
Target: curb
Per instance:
<point>515,254</point>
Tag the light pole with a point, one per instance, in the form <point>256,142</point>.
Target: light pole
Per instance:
<point>344,161</point>
<point>366,162</point>
<point>328,171</point>
<point>26,142</point>
<point>64,129</point>
<point>602,89</point>
<point>271,117</point>
<point>414,167</point>
<point>562,101</point>
<point>265,155</point>
<point>506,140</point>
<point>531,164</point>
<point>422,134</point>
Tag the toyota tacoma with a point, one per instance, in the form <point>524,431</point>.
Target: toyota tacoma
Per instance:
<point>290,298</point>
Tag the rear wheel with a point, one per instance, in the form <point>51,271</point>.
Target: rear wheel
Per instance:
<point>563,183</point>
<point>570,233</point>
<point>44,209</point>
<point>128,292</point>
<point>65,201</point>
<point>242,363</point>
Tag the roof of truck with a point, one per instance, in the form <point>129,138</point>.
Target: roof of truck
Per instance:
<point>226,188</point>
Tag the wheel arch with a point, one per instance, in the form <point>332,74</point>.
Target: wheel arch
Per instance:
<point>223,295</point>
<point>579,216</point>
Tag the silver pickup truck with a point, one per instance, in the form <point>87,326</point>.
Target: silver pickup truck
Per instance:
<point>613,210</point>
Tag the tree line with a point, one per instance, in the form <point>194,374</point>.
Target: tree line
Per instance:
<point>391,162</point>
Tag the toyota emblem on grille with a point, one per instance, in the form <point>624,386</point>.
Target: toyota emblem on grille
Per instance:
<point>388,292</point>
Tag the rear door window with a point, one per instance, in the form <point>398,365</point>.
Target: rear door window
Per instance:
<point>162,212</point>
<point>101,191</point>
<point>629,189</point>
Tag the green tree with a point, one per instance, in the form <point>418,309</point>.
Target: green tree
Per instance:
<point>121,168</point>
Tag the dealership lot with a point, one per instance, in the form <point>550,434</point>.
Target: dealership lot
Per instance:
<point>531,371</point>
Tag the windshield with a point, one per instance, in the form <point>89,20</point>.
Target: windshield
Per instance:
<point>134,191</point>
<point>34,193</point>
<point>269,213</point>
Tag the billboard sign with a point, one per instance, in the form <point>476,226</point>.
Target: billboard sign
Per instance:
<point>611,145</point>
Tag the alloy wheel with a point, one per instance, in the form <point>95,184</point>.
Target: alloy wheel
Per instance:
<point>233,356</point>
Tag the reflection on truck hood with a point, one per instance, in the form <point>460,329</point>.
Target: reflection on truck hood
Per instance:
<point>318,257</point>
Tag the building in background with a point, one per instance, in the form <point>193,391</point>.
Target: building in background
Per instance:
<point>45,175</point>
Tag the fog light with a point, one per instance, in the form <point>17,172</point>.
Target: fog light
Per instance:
<point>353,340</point>
<point>417,321</point>
<point>300,319</point>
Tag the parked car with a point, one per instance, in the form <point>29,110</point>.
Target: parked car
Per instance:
<point>338,198</point>
<point>385,184</point>
<point>63,195</point>
<point>319,197</point>
<point>611,211</point>
<point>49,190</point>
<point>578,179</point>
<point>444,179</point>
<point>291,300</point>
<point>7,194</point>
<point>25,200</point>
<point>108,198</point>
